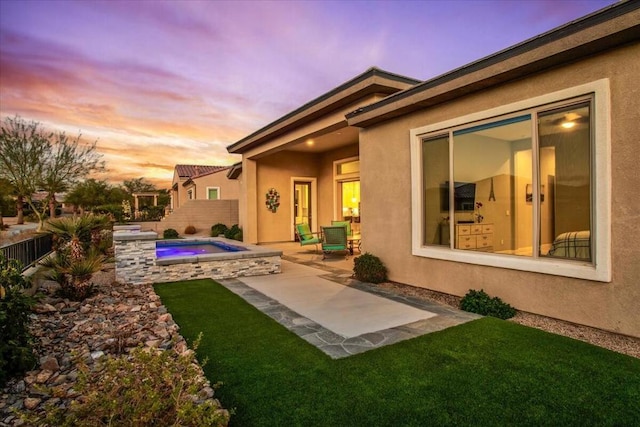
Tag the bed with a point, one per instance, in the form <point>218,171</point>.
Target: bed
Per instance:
<point>574,244</point>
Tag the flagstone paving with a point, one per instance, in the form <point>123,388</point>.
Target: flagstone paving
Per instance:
<point>434,317</point>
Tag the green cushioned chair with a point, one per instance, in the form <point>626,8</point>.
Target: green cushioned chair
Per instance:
<point>334,239</point>
<point>306,236</point>
<point>346,224</point>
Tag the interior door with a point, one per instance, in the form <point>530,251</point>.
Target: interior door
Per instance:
<point>302,203</point>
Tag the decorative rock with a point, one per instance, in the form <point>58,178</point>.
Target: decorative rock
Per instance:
<point>114,321</point>
<point>31,403</point>
<point>49,363</point>
<point>97,354</point>
<point>167,318</point>
<point>44,308</point>
<point>43,376</point>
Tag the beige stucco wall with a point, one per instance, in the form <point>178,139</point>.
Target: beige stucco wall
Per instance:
<point>276,171</point>
<point>229,188</point>
<point>386,203</point>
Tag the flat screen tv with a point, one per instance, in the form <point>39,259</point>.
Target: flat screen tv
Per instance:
<point>464,196</point>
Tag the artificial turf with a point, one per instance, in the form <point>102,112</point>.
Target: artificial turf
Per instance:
<point>486,372</point>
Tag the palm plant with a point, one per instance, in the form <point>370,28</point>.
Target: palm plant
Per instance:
<point>73,275</point>
<point>78,253</point>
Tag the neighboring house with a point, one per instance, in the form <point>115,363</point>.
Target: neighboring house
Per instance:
<point>542,135</point>
<point>202,182</point>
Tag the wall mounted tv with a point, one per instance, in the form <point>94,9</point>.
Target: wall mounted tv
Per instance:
<point>464,196</point>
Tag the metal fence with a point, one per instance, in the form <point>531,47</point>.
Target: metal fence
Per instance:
<point>28,251</point>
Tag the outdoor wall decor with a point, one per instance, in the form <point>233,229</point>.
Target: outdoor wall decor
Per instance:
<point>273,200</point>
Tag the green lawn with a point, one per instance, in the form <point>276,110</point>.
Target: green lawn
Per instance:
<point>486,372</point>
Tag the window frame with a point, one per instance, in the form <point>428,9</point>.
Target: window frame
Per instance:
<point>213,188</point>
<point>599,268</point>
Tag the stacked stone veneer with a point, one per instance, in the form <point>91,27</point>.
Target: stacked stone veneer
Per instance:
<point>136,262</point>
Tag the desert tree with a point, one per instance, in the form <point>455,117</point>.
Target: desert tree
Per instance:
<point>23,147</point>
<point>67,163</point>
<point>33,159</point>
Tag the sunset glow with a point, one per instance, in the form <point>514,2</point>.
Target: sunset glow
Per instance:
<point>166,82</point>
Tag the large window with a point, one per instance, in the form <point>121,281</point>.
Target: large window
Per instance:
<point>516,189</point>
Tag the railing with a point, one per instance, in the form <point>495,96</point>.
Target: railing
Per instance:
<point>28,251</point>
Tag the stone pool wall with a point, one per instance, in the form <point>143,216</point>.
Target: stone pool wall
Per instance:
<point>136,262</point>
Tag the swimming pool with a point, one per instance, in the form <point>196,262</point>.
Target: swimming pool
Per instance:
<point>166,249</point>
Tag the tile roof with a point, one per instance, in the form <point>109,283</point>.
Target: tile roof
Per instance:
<point>192,171</point>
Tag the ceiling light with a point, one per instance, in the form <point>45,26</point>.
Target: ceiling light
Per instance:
<point>568,125</point>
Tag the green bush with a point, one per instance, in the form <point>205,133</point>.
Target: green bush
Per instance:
<point>114,209</point>
<point>234,233</point>
<point>218,229</point>
<point>145,388</point>
<point>190,229</point>
<point>81,250</point>
<point>16,354</point>
<point>480,302</point>
<point>170,233</point>
<point>369,268</point>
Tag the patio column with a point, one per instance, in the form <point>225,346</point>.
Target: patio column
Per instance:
<point>248,202</point>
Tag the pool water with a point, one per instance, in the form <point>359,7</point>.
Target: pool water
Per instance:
<point>173,249</point>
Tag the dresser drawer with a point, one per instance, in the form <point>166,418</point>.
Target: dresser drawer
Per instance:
<point>466,242</point>
<point>463,230</point>
<point>484,241</point>
<point>487,228</point>
<point>476,229</point>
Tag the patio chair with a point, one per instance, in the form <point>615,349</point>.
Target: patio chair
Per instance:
<point>306,236</point>
<point>334,239</point>
<point>346,224</point>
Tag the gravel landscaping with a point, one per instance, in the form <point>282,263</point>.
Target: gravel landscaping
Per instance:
<point>116,320</point>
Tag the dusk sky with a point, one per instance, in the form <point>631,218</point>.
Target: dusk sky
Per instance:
<point>165,82</point>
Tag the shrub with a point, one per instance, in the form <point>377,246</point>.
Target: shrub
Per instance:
<point>146,388</point>
<point>190,229</point>
<point>369,268</point>
<point>16,354</point>
<point>81,245</point>
<point>72,273</point>
<point>218,229</point>
<point>170,233</point>
<point>114,209</point>
<point>480,302</point>
<point>234,233</point>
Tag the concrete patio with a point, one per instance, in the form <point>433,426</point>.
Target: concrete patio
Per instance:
<point>320,301</point>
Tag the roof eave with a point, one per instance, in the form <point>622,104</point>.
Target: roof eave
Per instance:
<point>574,41</point>
<point>373,81</point>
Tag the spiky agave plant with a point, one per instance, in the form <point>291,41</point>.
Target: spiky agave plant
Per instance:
<point>81,231</point>
<point>73,274</point>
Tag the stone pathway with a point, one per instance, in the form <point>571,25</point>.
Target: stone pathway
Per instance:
<point>337,346</point>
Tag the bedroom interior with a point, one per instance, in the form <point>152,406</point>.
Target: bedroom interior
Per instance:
<point>498,190</point>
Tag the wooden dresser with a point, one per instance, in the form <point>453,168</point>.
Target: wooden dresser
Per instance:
<point>474,236</point>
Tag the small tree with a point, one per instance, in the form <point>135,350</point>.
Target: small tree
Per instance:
<point>23,146</point>
<point>32,159</point>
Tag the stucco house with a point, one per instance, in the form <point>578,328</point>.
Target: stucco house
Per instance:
<point>202,182</point>
<point>516,173</point>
